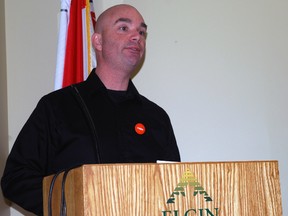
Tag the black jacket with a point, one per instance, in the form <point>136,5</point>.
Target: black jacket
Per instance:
<point>61,133</point>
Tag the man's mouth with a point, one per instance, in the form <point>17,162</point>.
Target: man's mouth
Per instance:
<point>134,49</point>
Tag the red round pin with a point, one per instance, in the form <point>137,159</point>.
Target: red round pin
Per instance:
<point>140,128</point>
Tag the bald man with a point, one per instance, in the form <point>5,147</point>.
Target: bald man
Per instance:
<point>101,120</point>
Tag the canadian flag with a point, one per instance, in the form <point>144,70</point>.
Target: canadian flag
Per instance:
<point>75,55</point>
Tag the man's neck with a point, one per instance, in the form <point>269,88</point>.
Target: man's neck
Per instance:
<point>113,79</point>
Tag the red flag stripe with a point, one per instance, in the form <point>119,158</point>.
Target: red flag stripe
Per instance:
<point>73,67</point>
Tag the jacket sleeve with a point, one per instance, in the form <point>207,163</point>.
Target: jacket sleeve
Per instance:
<point>26,164</point>
<point>172,148</point>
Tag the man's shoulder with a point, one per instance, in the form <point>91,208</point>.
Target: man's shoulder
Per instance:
<point>59,94</point>
<point>62,100</point>
<point>149,104</point>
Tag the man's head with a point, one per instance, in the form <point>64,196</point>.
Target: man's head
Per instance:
<point>120,38</point>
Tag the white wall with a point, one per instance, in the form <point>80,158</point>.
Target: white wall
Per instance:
<point>31,40</point>
<point>219,68</point>
<point>4,210</point>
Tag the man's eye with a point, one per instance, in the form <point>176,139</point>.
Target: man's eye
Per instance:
<point>143,33</point>
<point>123,28</point>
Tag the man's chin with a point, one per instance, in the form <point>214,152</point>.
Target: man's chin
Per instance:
<point>134,61</point>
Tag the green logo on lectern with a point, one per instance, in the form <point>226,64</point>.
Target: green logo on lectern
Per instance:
<point>188,179</point>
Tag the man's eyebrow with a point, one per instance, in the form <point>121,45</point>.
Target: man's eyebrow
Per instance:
<point>127,20</point>
<point>143,25</point>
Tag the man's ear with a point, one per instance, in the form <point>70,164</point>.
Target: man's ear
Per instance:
<point>97,41</point>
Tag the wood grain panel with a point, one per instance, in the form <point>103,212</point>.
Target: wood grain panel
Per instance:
<point>233,188</point>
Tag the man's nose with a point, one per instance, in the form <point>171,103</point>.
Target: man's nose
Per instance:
<point>135,36</point>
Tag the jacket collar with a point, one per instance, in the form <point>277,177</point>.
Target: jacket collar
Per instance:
<point>95,86</point>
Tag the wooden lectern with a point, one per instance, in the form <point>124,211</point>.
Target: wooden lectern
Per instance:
<point>250,188</point>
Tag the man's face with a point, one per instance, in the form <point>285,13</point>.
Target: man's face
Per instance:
<point>124,38</point>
